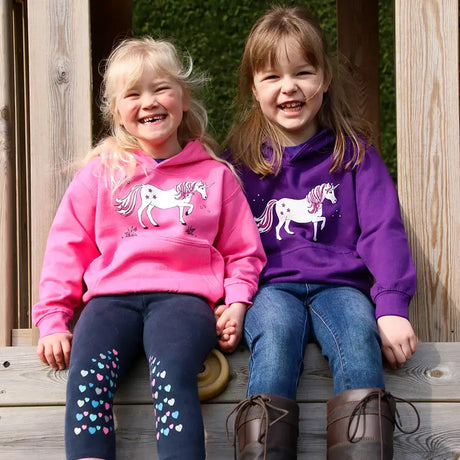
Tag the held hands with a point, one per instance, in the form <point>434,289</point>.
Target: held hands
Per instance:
<point>399,341</point>
<point>229,325</point>
<point>54,350</point>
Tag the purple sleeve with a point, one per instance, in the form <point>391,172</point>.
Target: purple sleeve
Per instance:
<point>383,242</point>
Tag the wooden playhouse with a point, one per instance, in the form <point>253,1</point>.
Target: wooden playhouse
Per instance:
<point>50,49</point>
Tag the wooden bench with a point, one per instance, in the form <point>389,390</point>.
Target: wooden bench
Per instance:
<point>32,398</point>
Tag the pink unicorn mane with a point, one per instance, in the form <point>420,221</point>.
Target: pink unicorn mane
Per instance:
<point>184,189</point>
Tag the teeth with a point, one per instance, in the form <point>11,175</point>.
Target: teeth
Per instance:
<point>153,119</point>
<point>291,105</point>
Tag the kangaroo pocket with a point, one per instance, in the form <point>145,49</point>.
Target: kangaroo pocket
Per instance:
<point>194,262</point>
<point>161,264</point>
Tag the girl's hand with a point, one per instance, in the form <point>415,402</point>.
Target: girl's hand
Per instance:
<point>399,341</point>
<point>229,325</point>
<point>54,350</point>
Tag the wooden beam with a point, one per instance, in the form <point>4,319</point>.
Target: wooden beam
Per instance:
<point>427,95</point>
<point>358,42</point>
<point>60,109</point>
<point>7,213</point>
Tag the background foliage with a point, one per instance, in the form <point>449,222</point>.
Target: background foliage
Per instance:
<point>214,32</point>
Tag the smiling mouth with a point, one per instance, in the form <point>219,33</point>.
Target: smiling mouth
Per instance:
<point>152,119</point>
<point>291,106</point>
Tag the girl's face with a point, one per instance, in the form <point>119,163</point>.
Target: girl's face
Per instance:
<point>151,110</point>
<point>290,93</point>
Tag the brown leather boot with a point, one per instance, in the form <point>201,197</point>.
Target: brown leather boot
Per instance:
<point>360,424</point>
<point>266,427</point>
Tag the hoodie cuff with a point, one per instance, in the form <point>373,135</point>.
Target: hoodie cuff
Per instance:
<point>238,292</point>
<point>392,303</point>
<point>53,324</point>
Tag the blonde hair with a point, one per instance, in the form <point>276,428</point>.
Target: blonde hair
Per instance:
<point>125,66</point>
<point>339,111</point>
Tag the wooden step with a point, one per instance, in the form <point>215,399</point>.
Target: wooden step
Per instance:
<point>32,399</point>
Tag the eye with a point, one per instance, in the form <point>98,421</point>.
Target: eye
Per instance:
<point>270,77</point>
<point>307,70</point>
<point>130,94</point>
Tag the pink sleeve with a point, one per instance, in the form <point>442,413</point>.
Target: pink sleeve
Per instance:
<point>239,243</point>
<point>70,249</point>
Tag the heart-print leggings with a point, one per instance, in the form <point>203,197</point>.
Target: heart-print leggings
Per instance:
<point>177,332</point>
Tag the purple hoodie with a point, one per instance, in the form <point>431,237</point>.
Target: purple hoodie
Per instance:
<point>341,228</point>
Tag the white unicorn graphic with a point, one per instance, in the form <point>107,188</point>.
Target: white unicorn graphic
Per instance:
<point>153,197</point>
<point>309,209</point>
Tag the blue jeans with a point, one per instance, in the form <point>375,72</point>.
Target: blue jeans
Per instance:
<point>286,316</point>
<point>176,332</point>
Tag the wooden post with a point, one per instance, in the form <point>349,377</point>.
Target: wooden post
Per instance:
<point>60,109</point>
<point>358,42</point>
<point>427,95</point>
<point>7,214</point>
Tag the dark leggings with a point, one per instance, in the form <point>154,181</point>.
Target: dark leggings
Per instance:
<point>177,332</point>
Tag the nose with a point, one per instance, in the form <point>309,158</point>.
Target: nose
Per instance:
<point>289,85</point>
<point>148,100</point>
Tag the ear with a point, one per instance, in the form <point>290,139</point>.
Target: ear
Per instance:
<point>254,93</point>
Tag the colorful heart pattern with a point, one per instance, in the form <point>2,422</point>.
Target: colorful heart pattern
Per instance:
<point>167,418</point>
<point>96,388</point>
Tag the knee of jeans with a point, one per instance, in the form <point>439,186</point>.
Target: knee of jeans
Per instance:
<point>366,340</point>
<point>283,349</point>
<point>276,356</point>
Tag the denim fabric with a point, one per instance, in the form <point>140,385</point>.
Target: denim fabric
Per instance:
<point>286,316</point>
<point>177,332</point>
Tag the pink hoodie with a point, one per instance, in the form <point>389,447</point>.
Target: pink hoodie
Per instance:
<point>182,225</point>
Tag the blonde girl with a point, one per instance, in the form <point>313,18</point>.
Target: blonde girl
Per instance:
<point>149,236</point>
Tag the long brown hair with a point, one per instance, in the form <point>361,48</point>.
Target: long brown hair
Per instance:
<point>340,108</point>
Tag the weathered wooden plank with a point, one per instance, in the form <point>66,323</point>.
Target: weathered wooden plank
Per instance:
<point>40,430</point>
<point>60,109</point>
<point>427,95</point>
<point>432,374</point>
<point>21,337</point>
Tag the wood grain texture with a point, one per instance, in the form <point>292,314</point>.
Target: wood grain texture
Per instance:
<point>427,96</point>
<point>432,374</point>
<point>32,399</point>
<point>40,430</point>
<point>60,109</point>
